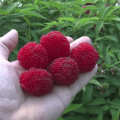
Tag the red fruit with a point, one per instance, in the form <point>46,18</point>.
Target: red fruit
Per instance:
<point>64,71</point>
<point>33,55</point>
<point>88,11</point>
<point>56,45</point>
<point>88,4</point>
<point>36,82</point>
<point>86,56</point>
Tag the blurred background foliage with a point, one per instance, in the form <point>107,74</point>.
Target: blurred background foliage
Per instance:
<point>97,19</point>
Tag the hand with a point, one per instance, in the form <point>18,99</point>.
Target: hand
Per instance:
<point>18,105</point>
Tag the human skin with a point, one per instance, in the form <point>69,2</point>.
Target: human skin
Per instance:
<point>18,105</point>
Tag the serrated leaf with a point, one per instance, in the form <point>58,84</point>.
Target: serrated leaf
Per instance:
<point>103,11</point>
<point>100,47</point>
<point>34,35</point>
<point>99,26</point>
<point>119,55</point>
<point>98,101</point>
<point>34,13</point>
<point>113,18</point>
<point>116,115</point>
<point>106,107</point>
<point>84,20</point>
<point>100,116</point>
<point>72,107</point>
<point>119,91</point>
<point>111,11</point>
<point>93,81</point>
<point>82,109</point>
<point>26,10</point>
<point>11,7</point>
<point>89,89</point>
<point>112,111</point>
<point>114,50</point>
<point>107,59</point>
<point>37,24</point>
<point>115,81</point>
<point>24,39</point>
<point>71,19</point>
<point>95,109</point>
<point>27,20</point>
<point>107,37</point>
<point>60,119</point>
<point>111,29</point>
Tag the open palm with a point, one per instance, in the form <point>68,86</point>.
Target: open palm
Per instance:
<point>18,105</point>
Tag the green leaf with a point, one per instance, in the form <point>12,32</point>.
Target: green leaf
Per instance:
<point>99,26</point>
<point>71,19</point>
<point>100,116</point>
<point>95,109</point>
<point>84,20</point>
<point>111,29</point>
<point>98,101</point>
<point>113,18</point>
<point>60,119</point>
<point>84,89</point>
<point>87,100</point>
<point>116,115</point>
<point>27,20</point>
<point>3,12</point>
<point>106,107</point>
<point>82,109</point>
<point>72,107</point>
<point>114,50</point>
<point>34,35</point>
<point>15,51</point>
<point>111,11</point>
<point>89,89</point>
<point>24,39</point>
<point>34,13</point>
<point>100,47</point>
<point>115,81</point>
<point>103,11</point>
<point>119,91</point>
<point>107,59</point>
<point>93,81</point>
<point>108,47</point>
<point>37,24</point>
<point>26,9</point>
<point>119,55</point>
<point>112,111</point>
<point>12,7</point>
<point>107,37</point>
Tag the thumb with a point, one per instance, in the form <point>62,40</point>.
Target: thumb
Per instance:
<point>7,44</point>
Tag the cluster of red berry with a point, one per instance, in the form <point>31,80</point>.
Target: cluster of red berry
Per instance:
<point>52,63</point>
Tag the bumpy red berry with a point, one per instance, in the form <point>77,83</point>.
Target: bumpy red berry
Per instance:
<point>64,71</point>
<point>56,45</point>
<point>86,56</point>
<point>33,55</point>
<point>36,82</point>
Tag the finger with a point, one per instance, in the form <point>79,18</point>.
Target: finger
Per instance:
<point>7,43</point>
<point>69,39</point>
<point>80,40</point>
<point>18,67</point>
<point>83,79</point>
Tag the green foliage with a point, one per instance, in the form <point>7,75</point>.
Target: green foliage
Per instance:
<point>34,18</point>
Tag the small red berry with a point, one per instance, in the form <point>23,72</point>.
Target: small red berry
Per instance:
<point>33,55</point>
<point>86,56</point>
<point>56,45</point>
<point>36,82</point>
<point>64,71</point>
